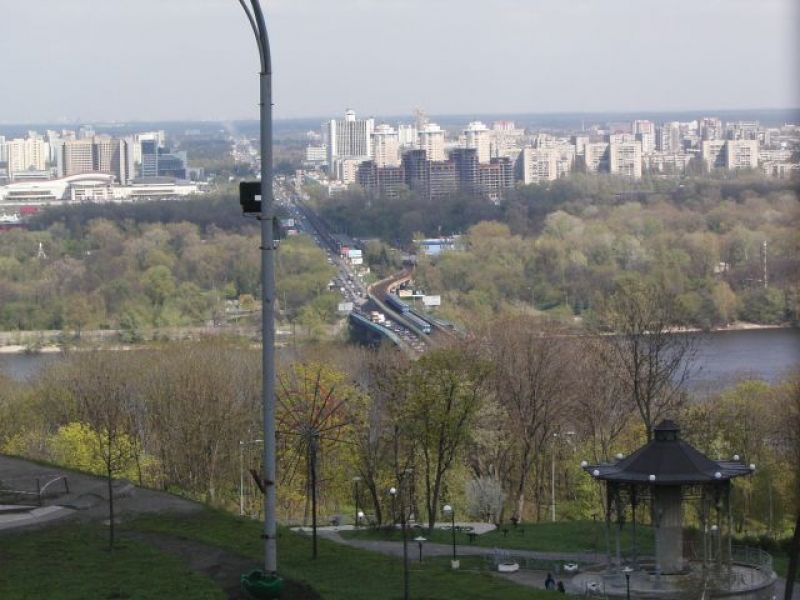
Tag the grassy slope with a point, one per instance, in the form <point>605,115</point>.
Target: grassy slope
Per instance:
<point>71,562</point>
<point>340,572</point>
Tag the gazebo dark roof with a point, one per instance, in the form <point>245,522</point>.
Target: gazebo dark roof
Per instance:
<point>672,462</point>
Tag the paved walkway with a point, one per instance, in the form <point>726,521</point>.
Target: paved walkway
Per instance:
<point>530,578</point>
<point>86,500</point>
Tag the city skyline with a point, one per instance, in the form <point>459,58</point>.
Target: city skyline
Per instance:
<point>388,57</point>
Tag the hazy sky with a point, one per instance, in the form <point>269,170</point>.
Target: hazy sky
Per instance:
<point>95,60</point>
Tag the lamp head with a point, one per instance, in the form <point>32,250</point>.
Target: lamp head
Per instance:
<point>447,509</point>
<point>392,491</point>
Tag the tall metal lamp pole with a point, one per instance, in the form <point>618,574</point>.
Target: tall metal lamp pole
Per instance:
<point>256,19</point>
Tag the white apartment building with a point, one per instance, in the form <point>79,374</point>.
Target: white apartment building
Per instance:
<point>713,154</point>
<point>478,136</point>
<point>641,126</point>
<point>431,139</point>
<point>668,138</point>
<point>595,157</point>
<point>407,135</point>
<point>536,165</point>
<point>741,154</point>
<point>621,138</point>
<point>26,154</point>
<point>317,154</point>
<point>625,158</point>
<point>667,164</point>
<point>350,137</point>
<point>346,169</point>
<point>648,142</point>
<point>386,146</point>
<point>710,128</point>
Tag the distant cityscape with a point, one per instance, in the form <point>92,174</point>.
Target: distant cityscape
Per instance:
<point>422,156</point>
<point>83,165</point>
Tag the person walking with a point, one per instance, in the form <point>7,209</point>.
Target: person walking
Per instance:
<point>550,583</point>
<point>560,587</point>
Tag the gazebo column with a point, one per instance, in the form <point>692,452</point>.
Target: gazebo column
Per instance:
<point>669,528</point>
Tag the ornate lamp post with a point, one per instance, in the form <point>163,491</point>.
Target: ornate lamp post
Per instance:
<point>447,509</point>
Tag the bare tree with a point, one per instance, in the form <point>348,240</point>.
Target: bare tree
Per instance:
<point>531,375</point>
<point>103,399</point>
<point>648,357</point>
<point>602,408</point>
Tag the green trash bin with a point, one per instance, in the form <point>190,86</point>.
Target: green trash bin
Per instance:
<point>260,586</point>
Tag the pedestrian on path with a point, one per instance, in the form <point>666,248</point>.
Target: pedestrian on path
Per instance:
<point>561,588</point>
<point>550,583</point>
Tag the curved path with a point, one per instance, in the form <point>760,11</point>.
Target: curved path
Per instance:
<point>531,578</point>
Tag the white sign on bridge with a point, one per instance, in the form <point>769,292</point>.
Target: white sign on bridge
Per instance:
<point>432,300</point>
<point>345,307</point>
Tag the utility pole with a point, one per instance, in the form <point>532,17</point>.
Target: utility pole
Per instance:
<point>764,252</point>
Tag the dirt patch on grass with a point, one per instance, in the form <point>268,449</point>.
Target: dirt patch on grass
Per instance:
<point>223,567</point>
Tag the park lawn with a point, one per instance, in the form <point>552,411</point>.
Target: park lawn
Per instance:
<point>340,572</point>
<point>566,537</point>
<point>72,562</point>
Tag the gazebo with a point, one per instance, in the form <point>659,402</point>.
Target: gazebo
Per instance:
<point>662,474</point>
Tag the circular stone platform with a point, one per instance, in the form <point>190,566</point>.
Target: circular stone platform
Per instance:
<point>744,582</point>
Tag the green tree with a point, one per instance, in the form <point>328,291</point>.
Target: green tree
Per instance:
<point>446,387</point>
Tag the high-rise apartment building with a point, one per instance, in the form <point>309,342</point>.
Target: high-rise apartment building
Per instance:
<point>385,146</point>
<point>648,142</point>
<point>78,157</point>
<point>387,182</point>
<point>466,163</point>
<point>149,160</point>
<point>28,154</point>
<point>741,154</point>
<point>713,154</point>
<point>710,128</point>
<point>431,140</point>
<point>668,137</point>
<point>625,158</point>
<point>350,138</point>
<point>595,157</point>
<point>407,135</point>
<point>536,165</point>
<point>643,126</point>
<point>477,136</point>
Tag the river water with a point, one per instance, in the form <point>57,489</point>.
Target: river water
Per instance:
<point>722,358</point>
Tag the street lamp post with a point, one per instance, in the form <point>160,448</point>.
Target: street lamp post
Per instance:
<point>393,491</point>
<point>266,218</point>
<point>356,479</point>
<point>627,571</point>
<point>449,510</point>
<point>420,541</point>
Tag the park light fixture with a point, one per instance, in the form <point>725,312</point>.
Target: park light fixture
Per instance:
<point>447,509</point>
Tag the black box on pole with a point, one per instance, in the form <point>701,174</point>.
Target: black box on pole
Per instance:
<point>248,190</point>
